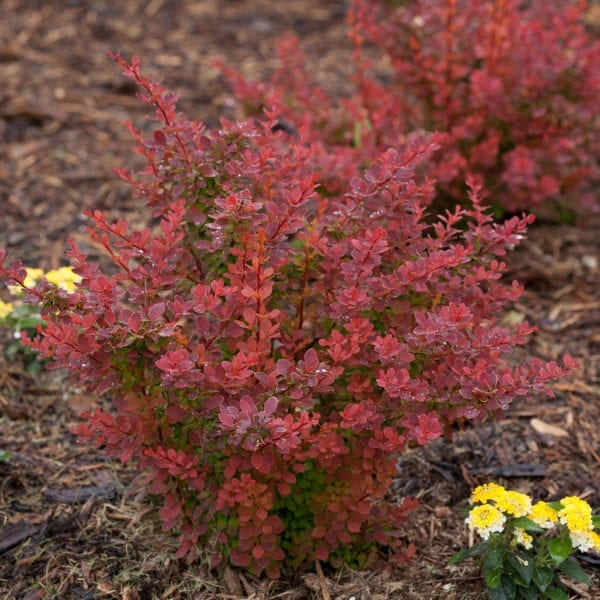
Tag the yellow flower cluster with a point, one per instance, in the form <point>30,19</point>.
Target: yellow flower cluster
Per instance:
<point>585,541</point>
<point>498,503</point>
<point>513,503</point>
<point>486,519</point>
<point>33,276</point>
<point>576,514</point>
<point>64,278</point>
<point>487,491</point>
<point>5,309</point>
<point>523,538</point>
<point>509,502</point>
<point>543,515</point>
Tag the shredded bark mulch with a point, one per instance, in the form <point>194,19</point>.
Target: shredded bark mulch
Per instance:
<point>72,524</point>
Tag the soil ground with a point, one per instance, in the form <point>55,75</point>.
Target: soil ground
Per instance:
<point>71,524</point>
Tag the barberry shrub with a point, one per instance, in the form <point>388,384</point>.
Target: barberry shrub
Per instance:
<point>271,348</point>
<point>513,85</point>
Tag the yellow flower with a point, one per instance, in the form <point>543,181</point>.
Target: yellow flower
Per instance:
<point>543,514</point>
<point>585,540</point>
<point>64,278</point>
<point>5,309</point>
<point>32,277</point>
<point>523,538</point>
<point>487,491</point>
<point>486,519</point>
<point>514,503</point>
<point>576,514</point>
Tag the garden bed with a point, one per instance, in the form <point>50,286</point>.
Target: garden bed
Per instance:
<point>71,524</point>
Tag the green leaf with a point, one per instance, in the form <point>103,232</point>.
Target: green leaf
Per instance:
<point>494,555</point>
<point>573,570</point>
<point>492,576</point>
<point>596,522</point>
<point>493,565</point>
<point>457,557</point>
<point>526,524</point>
<point>555,594</point>
<point>522,564</point>
<point>4,455</point>
<point>30,322</point>
<point>505,591</point>
<point>543,577</point>
<point>475,551</point>
<point>528,593</point>
<point>559,549</point>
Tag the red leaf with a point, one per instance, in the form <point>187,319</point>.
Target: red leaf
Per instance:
<point>239,559</point>
<point>160,139</point>
<point>321,553</point>
<point>156,310</point>
<point>270,405</point>
<point>263,464</point>
<point>249,315</point>
<point>319,532</point>
<point>353,527</point>
<point>170,511</point>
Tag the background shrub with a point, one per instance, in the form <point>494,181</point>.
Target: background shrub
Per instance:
<point>513,85</point>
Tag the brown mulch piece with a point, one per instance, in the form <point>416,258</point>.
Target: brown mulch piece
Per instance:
<point>71,522</point>
<point>80,494</point>
<point>15,533</point>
